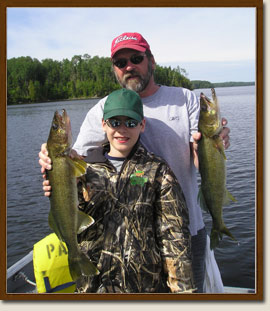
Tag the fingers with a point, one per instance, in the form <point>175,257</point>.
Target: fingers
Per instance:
<point>44,166</point>
<point>44,160</point>
<point>225,137</point>
<point>225,132</point>
<point>45,163</point>
<point>226,142</point>
<point>44,148</point>
<point>47,194</point>
<point>47,188</point>
<point>224,121</point>
<point>196,136</point>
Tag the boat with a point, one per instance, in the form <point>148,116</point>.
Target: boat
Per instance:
<point>21,278</point>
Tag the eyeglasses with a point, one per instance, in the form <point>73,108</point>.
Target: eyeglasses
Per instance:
<point>114,123</point>
<point>135,59</point>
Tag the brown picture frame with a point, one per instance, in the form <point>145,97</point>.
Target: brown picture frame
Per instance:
<point>258,5</point>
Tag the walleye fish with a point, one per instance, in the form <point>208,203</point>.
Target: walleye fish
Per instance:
<point>65,219</point>
<point>213,194</point>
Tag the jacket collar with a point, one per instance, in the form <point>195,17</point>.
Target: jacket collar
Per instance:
<point>97,155</point>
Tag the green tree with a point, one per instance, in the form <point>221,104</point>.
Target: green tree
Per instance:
<point>30,80</point>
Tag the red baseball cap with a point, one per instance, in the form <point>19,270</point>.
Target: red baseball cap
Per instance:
<point>129,40</point>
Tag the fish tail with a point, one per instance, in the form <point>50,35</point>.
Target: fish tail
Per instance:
<point>87,267</point>
<point>74,268</point>
<point>216,236</point>
<point>81,266</point>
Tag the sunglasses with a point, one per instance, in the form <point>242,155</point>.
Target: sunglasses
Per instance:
<point>130,123</point>
<point>122,62</point>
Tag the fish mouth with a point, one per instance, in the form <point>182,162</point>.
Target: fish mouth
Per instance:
<point>205,102</point>
<point>210,113</point>
<point>204,97</point>
<point>62,121</point>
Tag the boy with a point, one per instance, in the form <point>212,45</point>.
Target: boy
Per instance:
<point>140,241</point>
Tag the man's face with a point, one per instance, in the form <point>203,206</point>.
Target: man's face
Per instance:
<point>132,76</point>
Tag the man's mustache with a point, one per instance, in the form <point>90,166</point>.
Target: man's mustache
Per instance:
<point>131,74</point>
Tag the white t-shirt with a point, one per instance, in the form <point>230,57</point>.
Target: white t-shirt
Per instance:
<point>171,115</point>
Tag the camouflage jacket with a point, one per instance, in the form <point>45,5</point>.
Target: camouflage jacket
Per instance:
<point>140,240</point>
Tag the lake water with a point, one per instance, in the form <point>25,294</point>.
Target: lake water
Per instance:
<point>27,209</point>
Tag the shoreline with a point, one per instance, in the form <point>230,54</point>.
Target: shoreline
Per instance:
<point>54,101</point>
<point>96,97</point>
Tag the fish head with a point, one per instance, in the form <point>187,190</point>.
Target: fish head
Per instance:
<point>210,121</point>
<point>60,136</point>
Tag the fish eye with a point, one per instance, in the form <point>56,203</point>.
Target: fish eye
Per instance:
<point>54,126</point>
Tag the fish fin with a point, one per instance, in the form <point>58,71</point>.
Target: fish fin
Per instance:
<point>231,197</point>
<point>201,200</point>
<point>228,197</point>
<point>226,231</point>
<point>81,266</point>
<point>54,227</point>
<point>223,153</point>
<point>216,236</point>
<point>84,221</point>
<point>219,146</point>
<point>78,165</point>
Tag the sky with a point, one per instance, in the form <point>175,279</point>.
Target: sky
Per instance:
<point>213,44</point>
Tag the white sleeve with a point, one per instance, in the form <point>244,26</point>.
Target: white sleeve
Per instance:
<point>193,106</point>
<point>91,134</point>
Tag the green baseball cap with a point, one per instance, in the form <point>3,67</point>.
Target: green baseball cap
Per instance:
<point>123,102</point>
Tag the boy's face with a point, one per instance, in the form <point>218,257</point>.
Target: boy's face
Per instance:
<point>122,139</point>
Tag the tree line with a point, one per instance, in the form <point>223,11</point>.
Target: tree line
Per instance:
<point>202,84</point>
<point>30,80</point>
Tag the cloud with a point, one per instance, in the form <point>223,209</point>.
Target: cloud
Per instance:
<point>174,34</point>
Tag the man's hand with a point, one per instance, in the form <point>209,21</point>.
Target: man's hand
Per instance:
<point>46,187</point>
<point>224,134</point>
<point>44,159</point>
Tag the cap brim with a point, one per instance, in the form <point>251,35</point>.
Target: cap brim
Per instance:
<point>129,46</point>
<point>122,112</point>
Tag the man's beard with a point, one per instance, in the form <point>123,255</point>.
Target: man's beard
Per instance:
<point>134,84</point>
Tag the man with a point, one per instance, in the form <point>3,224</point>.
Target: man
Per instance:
<point>172,120</point>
